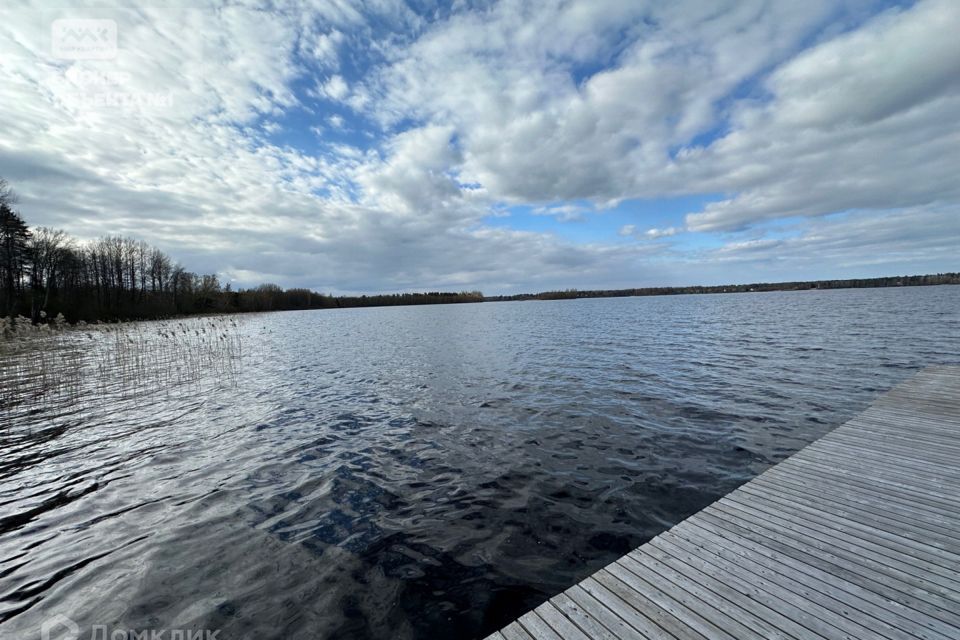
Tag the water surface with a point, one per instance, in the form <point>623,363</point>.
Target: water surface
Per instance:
<point>421,472</point>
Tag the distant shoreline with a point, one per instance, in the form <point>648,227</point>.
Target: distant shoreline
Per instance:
<point>852,283</point>
<point>50,278</point>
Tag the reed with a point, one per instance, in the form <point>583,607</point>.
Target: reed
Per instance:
<point>55,363</point>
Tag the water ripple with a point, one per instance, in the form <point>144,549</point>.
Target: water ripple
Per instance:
<point>421,472</point>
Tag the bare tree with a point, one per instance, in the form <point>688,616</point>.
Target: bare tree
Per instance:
<point>7,196</point>
<point>159,271</point>
<point>47,249</point>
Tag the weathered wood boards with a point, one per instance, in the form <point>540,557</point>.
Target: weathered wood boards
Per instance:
<point>855,536</point>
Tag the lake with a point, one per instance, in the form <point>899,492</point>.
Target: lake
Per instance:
<point>414,472</point>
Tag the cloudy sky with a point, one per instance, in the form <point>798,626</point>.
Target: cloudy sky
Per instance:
<point>355,146</point>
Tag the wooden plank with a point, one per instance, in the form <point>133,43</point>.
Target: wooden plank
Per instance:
<point>732,590</point>
<point>843,563</point>
<point>852,547</point>
<point>758,589</point>
<point>515,632</point>
<point>825,610</point>
<point>867,437</point>
<point>820,589</point>
<point>742,623</point>
<point>884,505</point>
<point>882,532</point>
<point>855,536</point>
<point>630,585</point>
<point>894,421</point>
<point>902,594</point>
<point>857,478</point>
<point>903,459</point>
<point>853,486</point>
<point>596,609</point>
<point>599,586</point>
<point>867,512</point>
<point>869,602</point>
<point>593,627</point>
<point>536,627</point>
<point>917,449</point>
<point>564,626</point>
<point>713,623</point>
<point>892,465</point>
<point>697,571</point>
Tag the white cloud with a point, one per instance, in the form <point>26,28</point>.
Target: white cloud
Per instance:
<point>592,102</point>
<point>324,48</point>
<point>899,61</point>
<point>650,234</point>
<point>563,212</point>
<point>913,240</point>
<point>864,121</point>
<point>653,234</point>
<point>335,88</point>
<point>531,131</point>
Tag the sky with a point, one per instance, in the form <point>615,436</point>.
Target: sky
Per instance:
<point>356,147</point>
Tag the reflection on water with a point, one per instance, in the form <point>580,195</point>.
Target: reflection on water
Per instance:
<point>415,472</point>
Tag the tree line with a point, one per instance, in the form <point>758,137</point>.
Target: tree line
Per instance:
<point>853,283</point>
<point>44,272</point>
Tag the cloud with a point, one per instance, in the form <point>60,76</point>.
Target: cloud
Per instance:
<point>563,212</point>
<point>323,48</point>
<point>653,234</point>
<point>911,240</point>
<point>631,230</point>
<point>220,151</point>
<point>335,88</point>
<point>532,131</point>
<point>900,60</point>
<point>863,121</point>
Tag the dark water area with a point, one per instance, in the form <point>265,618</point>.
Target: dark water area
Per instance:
<point>424,472</point>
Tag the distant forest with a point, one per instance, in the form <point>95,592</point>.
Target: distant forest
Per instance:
<point>856,283</point>
<point>44,272</point>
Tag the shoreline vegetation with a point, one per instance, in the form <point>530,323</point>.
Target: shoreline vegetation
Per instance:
<point>800,285</point>
<point>45,365</point>
<point>47,277</point>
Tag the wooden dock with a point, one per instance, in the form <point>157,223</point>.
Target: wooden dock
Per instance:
<point>855,536</point>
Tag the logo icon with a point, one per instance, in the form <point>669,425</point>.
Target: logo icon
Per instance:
<point>83,39</point>
<point>59,627</point>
